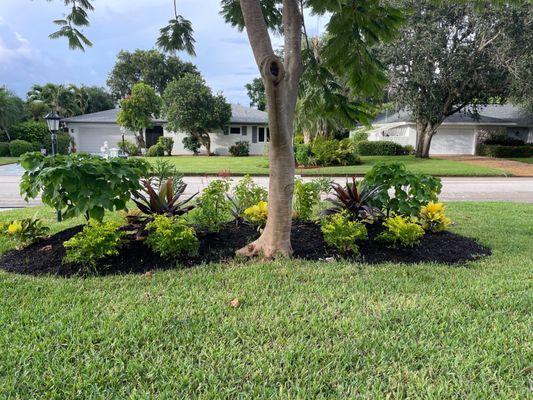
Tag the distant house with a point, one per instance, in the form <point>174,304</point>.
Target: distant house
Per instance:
<point>459,133</point>
<point>90,131</point>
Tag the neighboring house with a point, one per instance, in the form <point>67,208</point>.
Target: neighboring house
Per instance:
<point>459,133</point>
<point>90,131</point>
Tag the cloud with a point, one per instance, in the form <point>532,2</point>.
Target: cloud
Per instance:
<point>13,46</point>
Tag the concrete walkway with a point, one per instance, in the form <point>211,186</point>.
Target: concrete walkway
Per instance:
<point>454,189</point>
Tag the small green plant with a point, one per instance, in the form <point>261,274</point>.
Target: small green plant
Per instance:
<point>306,198</point>
<point>240,149</point>
<point>157,150</point>
<point>171,236</point>
<point>98,240</point>
<point>191,143</point>
<point>302,154</point>
<point>401,231</point>
<point>167,143</point>
<point>128,147</point>
<point>246,194</point>
<point>19,147</point>
<point>23,232</point>
<point>213,208</point>
<point>433,218</point>
<point>162,170</point>
<point>257,214</point>
<point>341,232</point>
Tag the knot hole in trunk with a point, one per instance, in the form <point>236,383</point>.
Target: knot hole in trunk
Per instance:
<point>272,69</point>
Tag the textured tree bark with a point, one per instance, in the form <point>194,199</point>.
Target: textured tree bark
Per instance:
<point>140,139</point>
<point>281,85</point>
<point>425,132</point>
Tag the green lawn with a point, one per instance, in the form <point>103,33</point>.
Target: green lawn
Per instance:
<point>523,160</point>
<point>8,160</point>
<point>259,166</point>
<point>305,330</point>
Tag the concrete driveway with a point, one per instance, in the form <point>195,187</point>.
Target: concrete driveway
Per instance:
<point>454,189</point>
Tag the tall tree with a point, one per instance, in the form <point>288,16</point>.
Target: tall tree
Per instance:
<point>256,93</point>
<point>190,106</point>
<point>444,60</point>
<point>353,28</point>
<point>149,66</point>
<point>138,111</point>
<point>11,111</point>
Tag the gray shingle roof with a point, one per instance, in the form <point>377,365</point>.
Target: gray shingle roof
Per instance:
<point>494,114</point>
<point>240,115</point>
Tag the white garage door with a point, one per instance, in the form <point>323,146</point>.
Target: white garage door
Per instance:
<point>453,141</point>
<point>91,139</point>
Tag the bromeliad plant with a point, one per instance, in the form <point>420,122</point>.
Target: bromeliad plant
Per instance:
<point>355,199</point>
<point>23,232</point>
<point>433,218</point>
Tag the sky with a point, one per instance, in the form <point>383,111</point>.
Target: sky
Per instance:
<point>27,56</point>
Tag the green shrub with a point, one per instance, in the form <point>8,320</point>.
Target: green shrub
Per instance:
<point>96,241</point>
<point>19,147</point>
<point>324,151</point>
<point>341,233</point>
<point>30,131</point>
<point>246,194</point>
<point>170,237</point>
<point>129,147</point>
<point>410,191</point>
<point>23,232</point>
<point>302,154</point>
<point>306,198</point>
<point>161,170</point>
<point>63,143</point>
<point>499,151</point>
<point>157,150</point>
<point>408,150</point>
<point>191,143</point>
<point>359,135</point>
<point>379,148</point>
<point>401,231</point>
<point>240,149</point>
<point>213,208</point>
<point>298,139</point>
<point>167,143</point>
<point>4,149</point>
<point>346,153</point>
<point>81,184</point>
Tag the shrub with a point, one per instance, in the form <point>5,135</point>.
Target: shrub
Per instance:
<point>191,143</point>
<point>157,150</point>
<point>81,184</point>
<point>19,147</point>
<point>379,148</point>
<point>167,143</point>
<point>408,150</point>
<point>498,151</point>
<point>213,208</point>
<point>30,131</point>
<point>433,218</point>
<point>302,154</point>
<point>401,231</point>
<point>23,232</point>
<point>359,135</point>
<point>324,151</point>
<point>346,154</point>
<point>340,232</point>
<point>171,237</point>
<point>246,194</point>
<point>63,143</point>
<point>410,191</point>
<point>240,149</point>
<point>129,147</point>
<point>97,241</point>
<point>298,139</point>
<point>257,214</point>
<point>306,198</point>
<point>161,170</point>
<point>4,149</point>
<point>503,139</point>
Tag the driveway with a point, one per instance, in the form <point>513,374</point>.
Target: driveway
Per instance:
<point>454,189</point>
<point>514,167</point>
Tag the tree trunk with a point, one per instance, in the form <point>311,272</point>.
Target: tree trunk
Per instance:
<point>205,139</point>
<point>140,139</point>
<point>281,86</point>
<point>425,132</point>
<point>307,137</point>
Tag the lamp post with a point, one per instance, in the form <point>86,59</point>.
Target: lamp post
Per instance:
<point>52,120</point>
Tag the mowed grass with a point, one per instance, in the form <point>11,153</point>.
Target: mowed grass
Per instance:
<point>258,165</point>
<point>8,160</point>
<point>523,160</point>
<point>305,330</point>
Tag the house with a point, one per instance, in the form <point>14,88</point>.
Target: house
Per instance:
<point>459,133</point>
<point>90,131</point>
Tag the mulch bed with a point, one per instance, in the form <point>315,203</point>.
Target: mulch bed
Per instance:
<point>45,257</point>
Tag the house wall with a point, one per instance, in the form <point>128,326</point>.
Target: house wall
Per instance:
<point>90,138</point>
<point>404,135</point>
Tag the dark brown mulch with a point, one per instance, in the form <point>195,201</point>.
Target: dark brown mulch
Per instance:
<point>45,257</point>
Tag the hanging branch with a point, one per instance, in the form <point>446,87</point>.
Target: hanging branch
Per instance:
<point>177,35</point>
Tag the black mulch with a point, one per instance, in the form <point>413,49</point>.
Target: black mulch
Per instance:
<point>45,257</point>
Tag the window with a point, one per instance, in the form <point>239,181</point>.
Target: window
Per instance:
<point>235,130</point>
<point>263,134</point>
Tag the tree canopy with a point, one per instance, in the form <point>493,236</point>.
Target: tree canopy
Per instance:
<point>149,66</point>
<point>190,106</point>
<point>11,110</point>
<point>256,93</point>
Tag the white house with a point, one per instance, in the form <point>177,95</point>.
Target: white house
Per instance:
<point>459,133</point>
<point>90,131</point>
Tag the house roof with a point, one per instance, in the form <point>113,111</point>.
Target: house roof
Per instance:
<point>494,114</point>
<point>240,115</point>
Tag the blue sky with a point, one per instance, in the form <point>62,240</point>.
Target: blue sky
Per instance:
<point>27,56</point>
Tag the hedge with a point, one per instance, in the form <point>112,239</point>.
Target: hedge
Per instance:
<point>19,147</point>
<point>30,131</point>
<point>4,149</point>
<point>380,148</point>
<point>499,151</point>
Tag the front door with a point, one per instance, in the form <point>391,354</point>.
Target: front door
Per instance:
<point>152,134</point>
